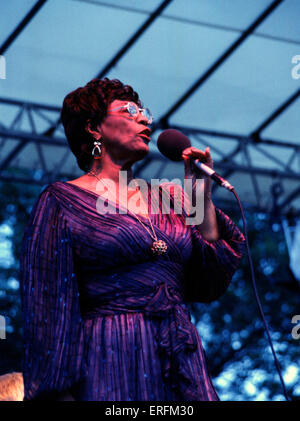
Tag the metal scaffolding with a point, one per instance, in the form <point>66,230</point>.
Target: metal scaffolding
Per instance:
<point>264,182</point>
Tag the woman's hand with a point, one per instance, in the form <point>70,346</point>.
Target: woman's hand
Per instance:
<point>209,226</point>
<point>191,170</point>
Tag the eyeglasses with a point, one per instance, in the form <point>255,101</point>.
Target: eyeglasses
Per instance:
<point>133,110</point>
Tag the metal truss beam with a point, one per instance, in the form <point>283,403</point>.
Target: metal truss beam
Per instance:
<point>126,47</point>
<point>133,39</point>
<point>10,39</point>
<point>32,137</point>
<point>228,158</point>
<point>288,199</point>
<point>219,61</point>
<point>194,22</point>
<point>255,134</point>
<point>226,164</point>
<point>33,105</point>
<point>233,136</point>
<point>26,137</point>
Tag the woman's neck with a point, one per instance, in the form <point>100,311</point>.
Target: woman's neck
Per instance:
<point>118,173</point>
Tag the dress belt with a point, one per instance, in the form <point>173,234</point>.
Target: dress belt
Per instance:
<point>176,337</point>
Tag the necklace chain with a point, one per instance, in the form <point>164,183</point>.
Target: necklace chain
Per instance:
<point>154,237</point>
<point>159,246</point>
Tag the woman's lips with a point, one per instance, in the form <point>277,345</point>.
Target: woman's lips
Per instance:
<point>144,136</point>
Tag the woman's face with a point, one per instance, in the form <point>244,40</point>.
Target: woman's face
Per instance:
<point>124,136</point>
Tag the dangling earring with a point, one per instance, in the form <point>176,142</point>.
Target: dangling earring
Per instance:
<point>97,144</point>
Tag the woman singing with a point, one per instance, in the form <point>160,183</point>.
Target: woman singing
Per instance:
<point>104,294</point>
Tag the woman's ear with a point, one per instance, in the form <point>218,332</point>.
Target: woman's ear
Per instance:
<point>95,133</point>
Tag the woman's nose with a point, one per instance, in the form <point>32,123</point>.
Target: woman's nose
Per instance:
<point>141,118</point>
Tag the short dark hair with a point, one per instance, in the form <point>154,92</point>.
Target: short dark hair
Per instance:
<point>89,104</point>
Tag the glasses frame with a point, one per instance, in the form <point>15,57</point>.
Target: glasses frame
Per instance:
<point>137,111</point>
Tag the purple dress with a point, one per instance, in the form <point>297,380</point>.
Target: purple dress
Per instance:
<point>105,318</point>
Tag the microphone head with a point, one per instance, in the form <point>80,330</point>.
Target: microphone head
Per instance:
<point>171,144</point>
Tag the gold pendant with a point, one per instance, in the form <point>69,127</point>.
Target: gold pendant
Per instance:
<point>159,247</point>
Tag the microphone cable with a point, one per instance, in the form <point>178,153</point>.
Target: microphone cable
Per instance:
<point>257,298</point>
<point>171,143</point>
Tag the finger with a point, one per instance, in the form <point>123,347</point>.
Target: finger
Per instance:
<point>209,159</point>
<point>195,153</point>
<point>187,167</point>
<point>207,151</point>
<point>188,164</point>
<point>187,152</point>
<point>205,158</point>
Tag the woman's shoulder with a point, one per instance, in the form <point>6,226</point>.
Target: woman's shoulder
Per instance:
<point>56,189</point>
<point>46,189</point>
<point>50,195</point>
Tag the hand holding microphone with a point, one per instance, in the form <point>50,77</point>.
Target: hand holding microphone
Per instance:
<point>176,146</point>
<point>191,157</point>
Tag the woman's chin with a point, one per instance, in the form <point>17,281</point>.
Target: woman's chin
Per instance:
<point>143,150</point>
<point>142,154</point>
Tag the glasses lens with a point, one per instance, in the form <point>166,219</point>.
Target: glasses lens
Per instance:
<point>132,109</point>
<point>147,113</point>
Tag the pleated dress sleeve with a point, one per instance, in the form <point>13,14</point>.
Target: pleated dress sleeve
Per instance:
<point>212,264</point>
<point>52,325</point>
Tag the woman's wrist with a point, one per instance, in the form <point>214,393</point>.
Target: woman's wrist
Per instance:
<point>208,203</point>
<point>209,227</point>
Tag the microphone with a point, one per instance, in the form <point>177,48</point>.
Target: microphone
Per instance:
<point>171,143</point>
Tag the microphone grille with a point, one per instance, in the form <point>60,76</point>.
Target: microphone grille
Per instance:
<point>171,144</point>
